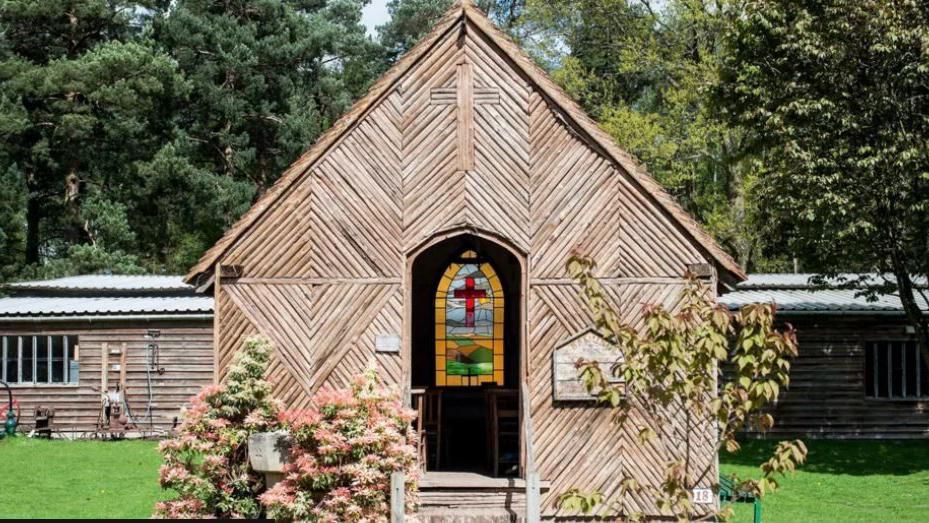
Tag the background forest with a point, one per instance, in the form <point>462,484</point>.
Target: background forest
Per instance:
<point>134,133</point>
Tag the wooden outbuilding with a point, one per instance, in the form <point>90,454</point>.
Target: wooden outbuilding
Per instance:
<point>859,374</point>
<point>134,347</point>
<point>426,234</point>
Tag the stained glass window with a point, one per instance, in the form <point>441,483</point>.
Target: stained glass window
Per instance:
<point>469,324</point>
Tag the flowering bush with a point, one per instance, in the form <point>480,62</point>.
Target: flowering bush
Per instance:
<point>206,462</point>
<point>343,452</point>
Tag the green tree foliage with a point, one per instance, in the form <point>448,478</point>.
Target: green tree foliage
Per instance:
<point>268,77</point>
<point>644,70</point>
<point>836,94</point>
<point>81,104</point>
<point>410,20</point>
<point>135,133</point>
<point>670,375</point>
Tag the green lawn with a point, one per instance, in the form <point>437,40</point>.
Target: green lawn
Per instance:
<point>78,479</point>
<point>843,481</point>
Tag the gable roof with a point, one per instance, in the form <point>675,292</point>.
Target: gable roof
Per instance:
<point>465,12</point>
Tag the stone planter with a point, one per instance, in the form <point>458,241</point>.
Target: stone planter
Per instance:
<point>268,452</point>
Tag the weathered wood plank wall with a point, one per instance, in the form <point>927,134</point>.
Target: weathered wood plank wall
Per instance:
<point>325,266</point>
<point>186,353</point>
<point>827,396</point>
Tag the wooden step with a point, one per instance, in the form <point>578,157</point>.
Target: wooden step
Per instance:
<point>468,497</point>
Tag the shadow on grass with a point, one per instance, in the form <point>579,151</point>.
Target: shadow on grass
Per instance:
<point>853,458</point>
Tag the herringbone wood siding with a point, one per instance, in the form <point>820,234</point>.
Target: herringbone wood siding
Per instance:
<point>324,269</point>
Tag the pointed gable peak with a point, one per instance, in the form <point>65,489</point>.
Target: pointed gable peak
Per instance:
<point>465,16</point>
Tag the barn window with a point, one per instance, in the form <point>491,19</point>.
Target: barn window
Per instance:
<point>38,359</point>
<point>894,369</point>
<point>469,324</point>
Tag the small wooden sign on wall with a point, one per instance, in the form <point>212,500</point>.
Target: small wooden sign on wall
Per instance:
<point>387,343</point>
<point>589,346</point>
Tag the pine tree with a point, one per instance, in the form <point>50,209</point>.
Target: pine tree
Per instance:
<point>82,101</point>
<point>268,77</point>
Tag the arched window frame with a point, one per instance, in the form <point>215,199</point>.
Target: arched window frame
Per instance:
<point>442,378</point>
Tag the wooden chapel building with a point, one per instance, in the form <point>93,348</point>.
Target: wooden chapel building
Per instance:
<point>427,233</point>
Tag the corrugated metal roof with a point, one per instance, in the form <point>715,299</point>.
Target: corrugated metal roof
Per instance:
<point>793,293</point>
<point>807,281</point>
<point>43,306</point>
<point>107,282</point>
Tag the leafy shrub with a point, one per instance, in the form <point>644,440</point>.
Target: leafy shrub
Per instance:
<point>343,452</point>
<point>206,462</point>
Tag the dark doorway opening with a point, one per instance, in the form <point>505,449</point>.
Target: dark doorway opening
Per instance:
<point>466,294</point>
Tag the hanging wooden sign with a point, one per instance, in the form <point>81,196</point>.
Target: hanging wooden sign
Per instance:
<point>588,346</point>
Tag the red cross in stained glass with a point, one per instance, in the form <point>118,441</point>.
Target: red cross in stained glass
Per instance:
<point>469,293</point>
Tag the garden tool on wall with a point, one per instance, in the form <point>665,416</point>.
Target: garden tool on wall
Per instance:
<point>9,426</point>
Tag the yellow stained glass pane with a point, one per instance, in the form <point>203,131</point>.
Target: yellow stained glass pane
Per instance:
<point>453,380</point>
<point>440,315</point>
<point>498,315</point>
<point>486,378</point>
<point>498,362</point>
<point>440,362</point>
<point>498,346</point>
<point>498,377</point>
<point>439,331</point>
<point>440,379</point>
<point>440,348</point>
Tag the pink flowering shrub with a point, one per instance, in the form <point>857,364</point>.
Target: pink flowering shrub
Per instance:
<point>206,462</point>
<point>343,452</point>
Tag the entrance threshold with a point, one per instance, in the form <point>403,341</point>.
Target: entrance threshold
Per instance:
<point>472,480</point>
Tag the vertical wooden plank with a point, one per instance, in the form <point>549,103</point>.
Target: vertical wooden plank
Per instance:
<point>124,350</point>
<point>48,355</point>
<point>397,501</point>
<point>65,369</point>
<point>465,116</point>
<point>104,364</point>
<point>533,498</point>
<point>217,318</point>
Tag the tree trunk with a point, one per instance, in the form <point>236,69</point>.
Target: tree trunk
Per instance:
<point>33,221</point>
<point>911,306</point>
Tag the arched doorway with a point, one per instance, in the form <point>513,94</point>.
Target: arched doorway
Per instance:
<point>465,353</point>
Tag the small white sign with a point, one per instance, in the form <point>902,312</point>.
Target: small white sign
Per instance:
<point>387,343</point>
<point>703,496</point>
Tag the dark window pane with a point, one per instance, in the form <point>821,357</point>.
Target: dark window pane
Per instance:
<point>58,359</point>
<point>41,362</point>
<point>923,376</point>
<point>911,361</point>
<point>881,369</point>
<point>11,359</point>
<point>869,373</point>
<point>897,350</point>
<point>27,360</point>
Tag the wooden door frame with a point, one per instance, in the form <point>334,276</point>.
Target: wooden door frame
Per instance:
<point>407,347</point>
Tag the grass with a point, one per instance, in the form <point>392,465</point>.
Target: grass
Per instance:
<point>843,481</point>
<point>78,479</point>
